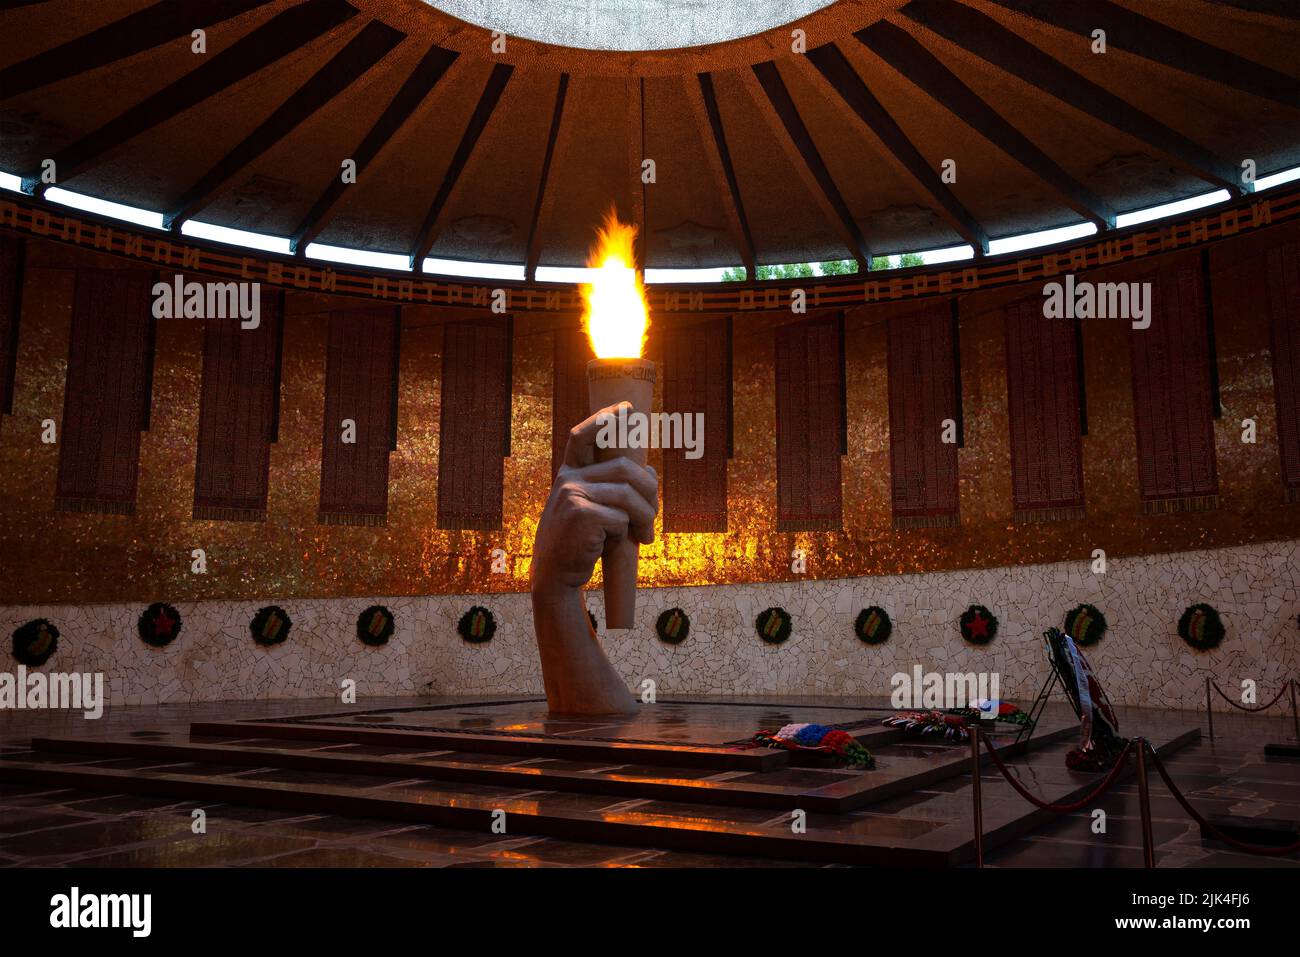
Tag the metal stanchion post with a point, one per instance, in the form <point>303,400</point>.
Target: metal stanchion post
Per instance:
<point>1295,715</point>
<point>1209,715</point>
<point>1144,803</point>
<point>977,804</point>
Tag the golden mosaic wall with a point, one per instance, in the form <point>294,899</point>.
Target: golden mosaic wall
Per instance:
<point>47,557</point>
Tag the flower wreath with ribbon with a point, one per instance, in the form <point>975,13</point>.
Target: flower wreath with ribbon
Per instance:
<point>954,723</point>
<point>873,626</point>
<point>1085,624</point>
<point>477,625</point>
<point>672,626</point>
<point>978,626</point>
<point>1201,627</point>
<point>35,642</point>
<point>376,625</point>
<point>773,625</point>
<point>159,624</point>
<point>270,626</point>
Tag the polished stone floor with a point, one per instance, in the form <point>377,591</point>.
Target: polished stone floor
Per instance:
<point>43,826</point>
<point>703,722</point>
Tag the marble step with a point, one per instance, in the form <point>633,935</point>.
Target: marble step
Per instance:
<point>920,827</point>
<point>536,746</point>
<point>927,828</point>
<point>720,757</point>
<point>757,832</point>
<point>776,788</point>
<point>674,733</point>
<point>828,790</point>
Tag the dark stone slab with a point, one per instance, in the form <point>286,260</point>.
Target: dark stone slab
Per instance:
<point>690,723</point>
<point>613,751</point>
<point>1262,831</point>
<point>15,823</point>
<point>83,836</point>
<point>196,851</point>
<point>349,857</point>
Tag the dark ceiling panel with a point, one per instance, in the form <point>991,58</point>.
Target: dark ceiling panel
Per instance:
<point>911,59</point>
<point>998,45</point>
<point>274,40</point>
<point>370,45</point>
<point>134,33</point>
<point>418,85</point>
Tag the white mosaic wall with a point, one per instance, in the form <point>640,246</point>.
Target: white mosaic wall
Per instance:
<point>1141,660</point>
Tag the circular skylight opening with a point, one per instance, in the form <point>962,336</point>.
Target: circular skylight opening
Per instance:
<point>627,25</point>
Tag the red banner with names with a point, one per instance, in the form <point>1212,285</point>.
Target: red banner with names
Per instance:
<point>1043,396</point>
<point>1173,402</point>
<point>238,406</point>
<point>475,428</point>
<point>697,381</point>
<point>923,412</point>
<point>106,402</point>
<point>810,420</point>
<point>360,427</point>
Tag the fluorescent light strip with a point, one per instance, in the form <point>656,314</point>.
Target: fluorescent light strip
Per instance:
<point>950,254</point>
<point>358,257</point>
<point>1046,237</point>
<point>687,275</point>
<point>1171,209</point>
<point>564,274</point>
<point>1278,178</point>
<point>235,237</point>
<point>103,207</point>
<point>10,181</point>
<point>474,270</point>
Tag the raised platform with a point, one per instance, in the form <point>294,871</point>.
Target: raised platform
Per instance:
<point>675,775</point>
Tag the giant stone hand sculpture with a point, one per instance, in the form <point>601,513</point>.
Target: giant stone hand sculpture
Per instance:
<point>593,508</point>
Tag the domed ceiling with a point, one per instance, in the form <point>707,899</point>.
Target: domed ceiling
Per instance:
<point>476,142</point>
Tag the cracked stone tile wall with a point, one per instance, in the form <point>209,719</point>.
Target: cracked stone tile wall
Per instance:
<point>1141,661</point>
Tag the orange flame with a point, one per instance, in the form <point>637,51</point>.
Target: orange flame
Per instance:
<point>616,316</point>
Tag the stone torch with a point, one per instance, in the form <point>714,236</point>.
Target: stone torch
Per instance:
<point>616,319</point>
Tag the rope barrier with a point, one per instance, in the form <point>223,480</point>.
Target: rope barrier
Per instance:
<point>1207,826</point>
<point>1111,777</point>
<point>1242,707</point>
<point>1060,808</point>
